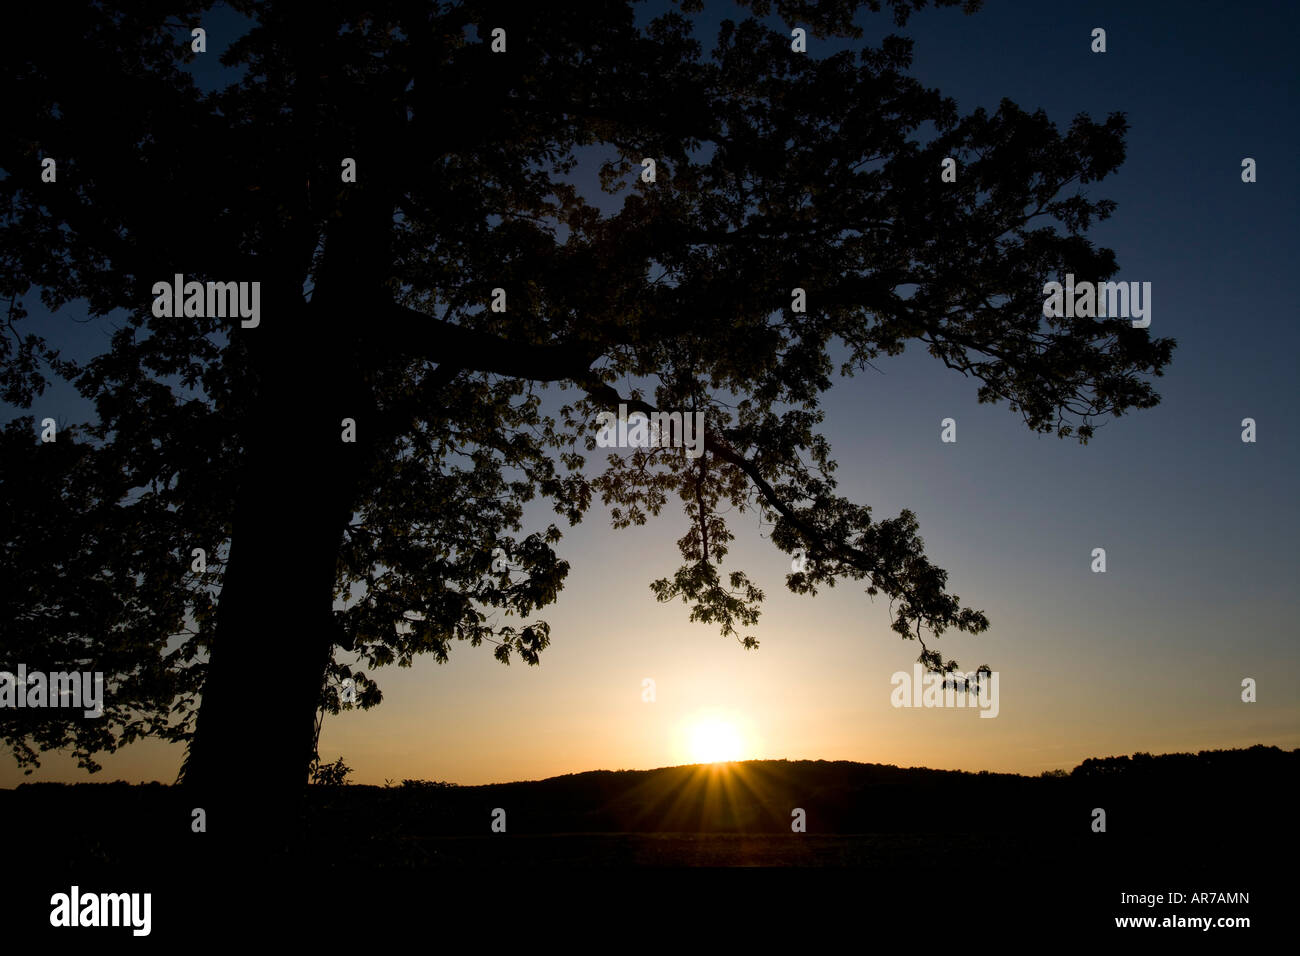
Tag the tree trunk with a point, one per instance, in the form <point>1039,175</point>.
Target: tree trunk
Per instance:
<point>297,491</point>
<point>254,739</point>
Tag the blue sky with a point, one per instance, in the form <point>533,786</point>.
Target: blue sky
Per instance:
<point>1199,528</point>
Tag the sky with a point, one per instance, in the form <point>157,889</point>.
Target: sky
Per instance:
<point>1199,527</point>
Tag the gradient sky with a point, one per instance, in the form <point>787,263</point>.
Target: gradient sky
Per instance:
<point>1199,528</point>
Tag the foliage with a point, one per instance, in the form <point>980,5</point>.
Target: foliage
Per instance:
<point>330,774</point>
<point>775,171</point>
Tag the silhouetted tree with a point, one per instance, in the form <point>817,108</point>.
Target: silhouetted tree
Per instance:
<point>775,170</point>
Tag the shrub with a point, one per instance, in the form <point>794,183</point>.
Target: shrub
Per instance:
<point>331,774</point>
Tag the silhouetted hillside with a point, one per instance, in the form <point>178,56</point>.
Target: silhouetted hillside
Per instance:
<point>1023,847</point>
<point>1226,793</point>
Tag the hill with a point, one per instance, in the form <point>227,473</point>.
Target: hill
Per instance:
<point>878,839</point>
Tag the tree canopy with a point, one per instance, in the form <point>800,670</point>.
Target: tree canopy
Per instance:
<point>774,170</point>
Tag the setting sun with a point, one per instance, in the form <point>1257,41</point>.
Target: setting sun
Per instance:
<point>713,740</point>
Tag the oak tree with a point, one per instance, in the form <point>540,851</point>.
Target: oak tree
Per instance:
<point>775,170</point>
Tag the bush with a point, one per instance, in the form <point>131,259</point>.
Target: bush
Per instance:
<point>331,774</point>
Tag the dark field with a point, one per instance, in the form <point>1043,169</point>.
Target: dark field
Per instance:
<point>1018,849</point>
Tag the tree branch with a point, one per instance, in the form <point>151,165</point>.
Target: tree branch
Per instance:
<point>416,333</point>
